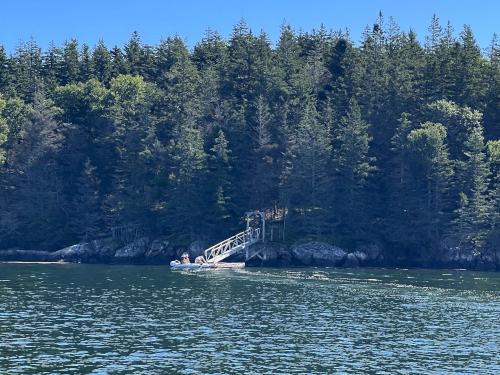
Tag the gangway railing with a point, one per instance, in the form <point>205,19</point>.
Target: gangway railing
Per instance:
<point>232,245</point>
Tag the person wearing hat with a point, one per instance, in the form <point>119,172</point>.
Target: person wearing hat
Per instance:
<point>185,259</point>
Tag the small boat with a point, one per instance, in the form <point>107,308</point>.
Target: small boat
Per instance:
<point>199,262</point>
<point>178,265</point>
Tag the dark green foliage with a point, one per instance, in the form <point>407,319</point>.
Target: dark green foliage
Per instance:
<point>352,168</point>
<point>430,174</point>
<point>306,177</point>
<point>389,141</point>
<point>86,221</point>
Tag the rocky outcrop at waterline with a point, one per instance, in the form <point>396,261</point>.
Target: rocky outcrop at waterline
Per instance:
<point>141,250</point>
<point>316,254</point>
<point>302,254</point>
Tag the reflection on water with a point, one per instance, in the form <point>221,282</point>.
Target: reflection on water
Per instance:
<point>67,319</point>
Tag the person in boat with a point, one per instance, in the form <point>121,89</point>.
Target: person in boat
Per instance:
<point>199,259</point>
<point>185,259</point>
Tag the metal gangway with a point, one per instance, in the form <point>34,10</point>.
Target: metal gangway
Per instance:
<point>232,245</point>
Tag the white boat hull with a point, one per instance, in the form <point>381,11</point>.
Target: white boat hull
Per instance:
<point>177,265</point>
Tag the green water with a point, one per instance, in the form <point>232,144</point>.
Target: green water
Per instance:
<point>88,319</point>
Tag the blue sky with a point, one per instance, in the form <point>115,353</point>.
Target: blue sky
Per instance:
<point>115,20</point>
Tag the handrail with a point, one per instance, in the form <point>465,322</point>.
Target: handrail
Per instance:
<point>228,246</point>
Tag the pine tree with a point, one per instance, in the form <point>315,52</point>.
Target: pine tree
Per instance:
<point>70,66</point>
<point>494,159</point>
<point>470,84</point>
<point>4,70</point>
<point>184,205</point>
<point>52,66</point>
<point>119,65</point>
<point>130,138</point>
<point>170,52</point>
<point>220,186</point>
<point>27,70</point>
<point>211,51</point>
<point>101,63</point>
<point>4,131</point>
<point>352,166</point>
<point>38,190</point>
<point>474,214</point>
<point>134,55</point>
<point>491,111</point>
<point>85,68</point>
<point>402,203</point>
<point>305,178</point>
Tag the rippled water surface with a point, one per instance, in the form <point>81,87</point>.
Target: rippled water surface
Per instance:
<point>90,319</point>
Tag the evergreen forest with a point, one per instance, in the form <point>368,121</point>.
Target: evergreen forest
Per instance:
<point>393,139</point>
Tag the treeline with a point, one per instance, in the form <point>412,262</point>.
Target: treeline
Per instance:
<point>387,140</point>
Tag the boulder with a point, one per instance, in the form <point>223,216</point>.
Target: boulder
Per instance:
<point>270,254</point>
<point>318,254</point>
<point>361,256</point>
<point>134,250</point>
<point>160,248</point>
<point>196,248</point>
<point>95,251</point>
<point>351,261</point>
<point>372,253</point>
<point>454,254</point>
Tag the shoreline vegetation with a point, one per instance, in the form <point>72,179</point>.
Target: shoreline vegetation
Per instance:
<point>384,152</point>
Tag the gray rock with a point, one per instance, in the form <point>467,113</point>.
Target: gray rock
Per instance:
<point>197,248</point>
<point>351,261</point>
<point>360,256</point>
<point>456,255</point>
<point>133,250</point>
<point>270,254</point>
<point>94,251</point>
<point>372,252</point>
<point>318,254</point>
<point>160,247</point>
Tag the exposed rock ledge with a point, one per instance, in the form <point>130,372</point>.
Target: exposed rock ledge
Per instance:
<point>305,254</point>
<point>142,250</point>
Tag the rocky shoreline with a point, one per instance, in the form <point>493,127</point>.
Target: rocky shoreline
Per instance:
<point>305,254</point>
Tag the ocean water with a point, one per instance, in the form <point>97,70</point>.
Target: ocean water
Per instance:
<point>97,319</point>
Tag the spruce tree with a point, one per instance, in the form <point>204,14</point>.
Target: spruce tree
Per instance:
<point>85,60</point>
<point>353,166</point>
<point>27,66</point>
<point>101,63</point>
<point>492,99</point>
<point>4,131</point>
<point>494,159</point>
<point>70,71</point>
<point>185,207</point>
<point>52,66</point>
<point>134,55</point>
<point>474,214</point>
<point>5,77</point>
<point>221,217</point>
<point>306,175</point>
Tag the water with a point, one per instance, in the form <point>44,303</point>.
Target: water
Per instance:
<point>92,319</point>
